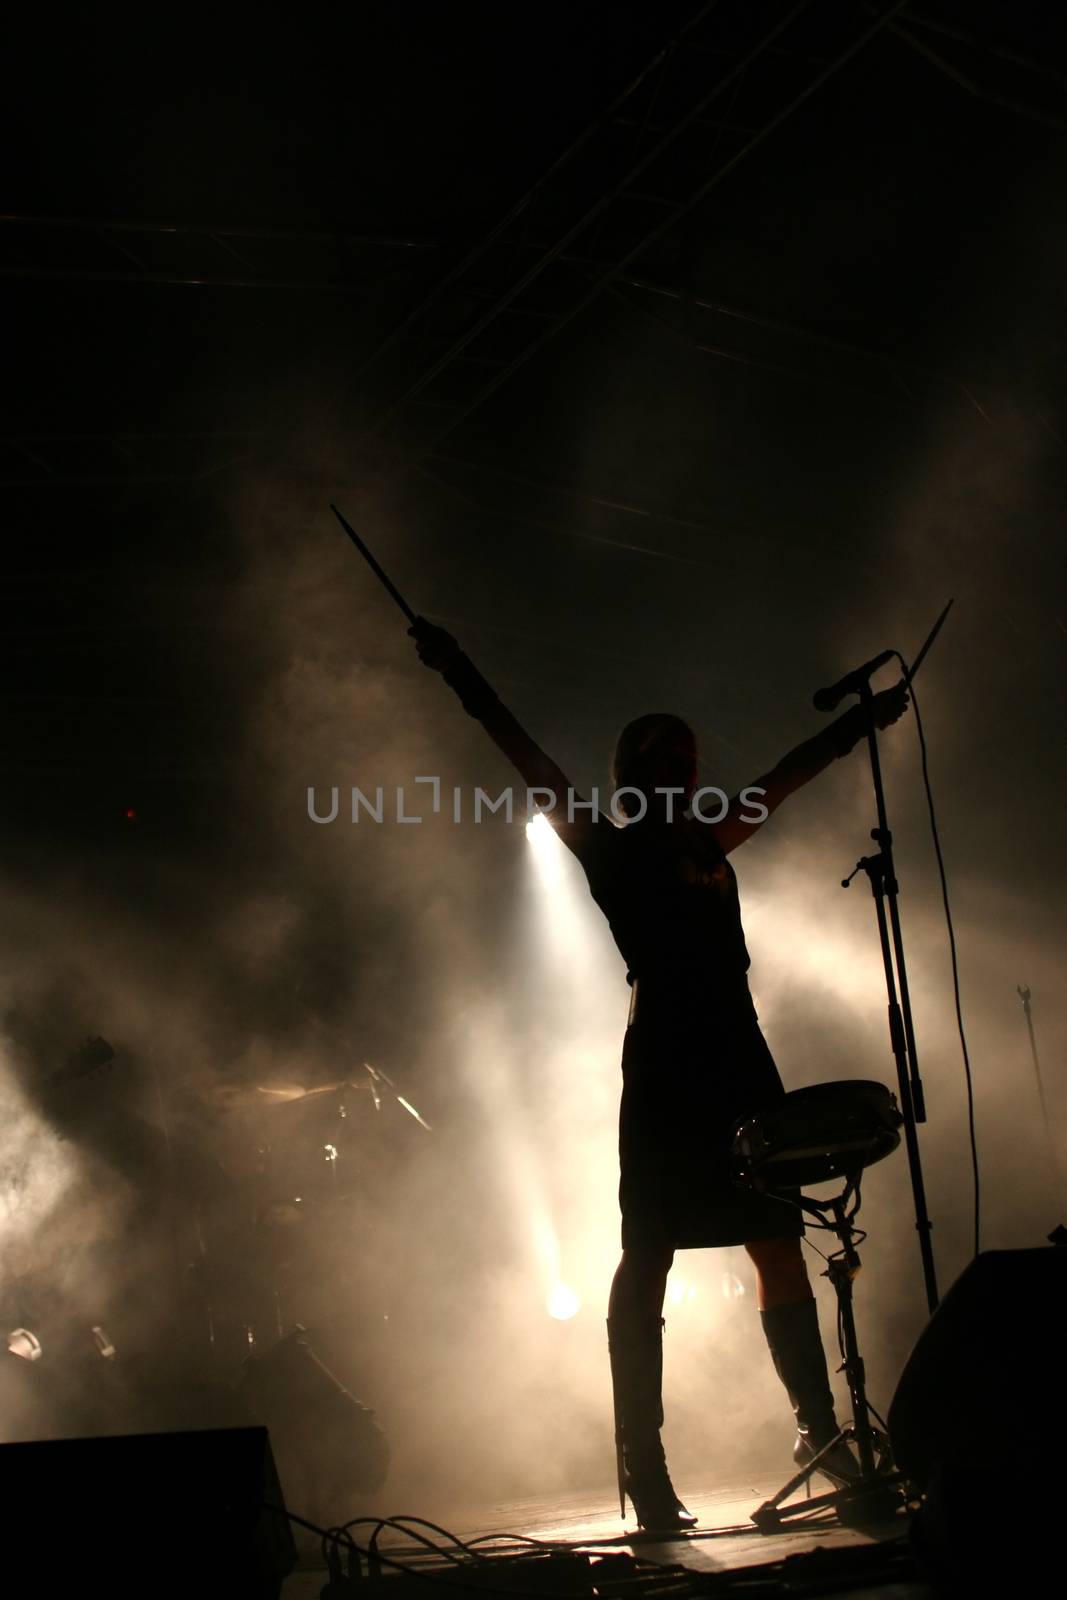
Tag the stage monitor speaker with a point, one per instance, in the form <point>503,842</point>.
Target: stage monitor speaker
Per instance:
<point>989,1364</point>
<point>979,1415</point>
<point>145,1514</point>
<point>328,1445</point>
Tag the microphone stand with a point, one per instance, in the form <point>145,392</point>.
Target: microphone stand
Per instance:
<point>881,875</point>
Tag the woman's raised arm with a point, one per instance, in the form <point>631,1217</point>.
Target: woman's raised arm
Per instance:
<point>438,650</point>
<point>750,809</point>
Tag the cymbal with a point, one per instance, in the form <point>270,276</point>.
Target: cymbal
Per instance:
<point>279,1093</point>
<point>235,1096</point>
<point>225,1096</point>
<point>363,1086</point>
<point>287,1093</point>
<point>283,1093</point>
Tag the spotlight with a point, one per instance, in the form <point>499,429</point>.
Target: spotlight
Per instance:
<point>103,1343</point>
<point>563,1303</point>
<point>679,1290</point>
<point>539,831</point>
<point>21,1342</point>
<point>548,853</point>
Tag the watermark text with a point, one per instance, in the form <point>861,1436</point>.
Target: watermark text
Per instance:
<point>396,804</point>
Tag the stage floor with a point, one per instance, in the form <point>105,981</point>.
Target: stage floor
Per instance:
<point>723,1541</point>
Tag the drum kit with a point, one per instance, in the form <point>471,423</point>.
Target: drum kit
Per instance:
<point>259,1205</point>
<point>311,1206</point>
<point>815,1136</point>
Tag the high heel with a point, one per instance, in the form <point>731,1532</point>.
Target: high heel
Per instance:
<point>839,1464</point>
<point>656,1505</point>
<point>796,1348</point>
<point>636,1350</point>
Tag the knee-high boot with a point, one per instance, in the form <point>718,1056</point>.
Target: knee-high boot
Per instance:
<point>635,1345</point>
<point>796,1348</point>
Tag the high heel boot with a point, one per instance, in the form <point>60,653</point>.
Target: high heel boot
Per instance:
<point>636,1349</point>
<point>796,1348</point>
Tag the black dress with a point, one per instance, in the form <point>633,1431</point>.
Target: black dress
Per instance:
<point>694,1059</point>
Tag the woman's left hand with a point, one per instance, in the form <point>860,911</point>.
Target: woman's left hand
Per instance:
<point>890,705</point>
<point>436,647</point>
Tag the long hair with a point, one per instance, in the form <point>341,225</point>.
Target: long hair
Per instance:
<point>636,751</point>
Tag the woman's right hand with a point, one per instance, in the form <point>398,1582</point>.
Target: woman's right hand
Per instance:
<point>436,647</point>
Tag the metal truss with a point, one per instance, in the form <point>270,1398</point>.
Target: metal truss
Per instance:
<point>881,376</point>
<point>118,459</point>
<point>1032,90</point>
<point>612,213</point>
<point>103,250</point>
<point>452,473</point>
<point>714,94</point>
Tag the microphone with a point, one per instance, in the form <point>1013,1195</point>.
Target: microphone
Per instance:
<point>829,699</point>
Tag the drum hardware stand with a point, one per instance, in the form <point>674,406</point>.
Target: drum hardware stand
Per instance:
<point>202,1270</point>
<point>876,1493</point>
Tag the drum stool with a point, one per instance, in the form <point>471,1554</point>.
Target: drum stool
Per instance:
<point>813,1136</point>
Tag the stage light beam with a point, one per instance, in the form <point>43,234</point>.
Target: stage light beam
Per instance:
<point>21,1342</point>
<point>547,850</point>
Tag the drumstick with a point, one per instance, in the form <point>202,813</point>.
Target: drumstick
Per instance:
<point>382,576</point>
<point>931,636</point>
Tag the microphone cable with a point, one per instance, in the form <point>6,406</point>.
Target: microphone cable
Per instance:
<point>952,948</point>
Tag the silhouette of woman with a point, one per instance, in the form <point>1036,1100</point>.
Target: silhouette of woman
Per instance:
<point>694,1060</point>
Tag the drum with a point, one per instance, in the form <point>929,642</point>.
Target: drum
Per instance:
<point>813,1135</point>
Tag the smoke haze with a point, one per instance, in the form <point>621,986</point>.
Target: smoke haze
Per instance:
<point>641,521</point>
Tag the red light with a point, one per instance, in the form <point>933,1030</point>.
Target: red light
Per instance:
<point>131,815</point>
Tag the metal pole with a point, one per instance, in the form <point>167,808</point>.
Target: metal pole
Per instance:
<point>880,870</point>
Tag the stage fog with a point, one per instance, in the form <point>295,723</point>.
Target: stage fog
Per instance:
<point>446,1226</point>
